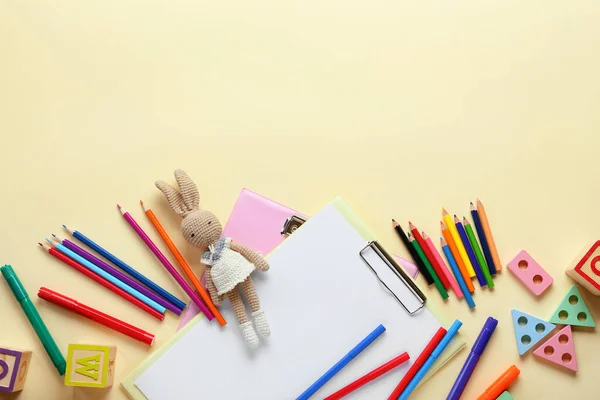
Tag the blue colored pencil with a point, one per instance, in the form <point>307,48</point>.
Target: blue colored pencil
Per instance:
<point>98,271</point>
<point>342,363</point>
<point>132,272</point>
<point>457,274</point>
<point>483,240</point>
<point>465,239</point>
<point>437,352</point>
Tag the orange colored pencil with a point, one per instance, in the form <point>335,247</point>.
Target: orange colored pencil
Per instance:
<point>457,258</point>
<point>488,235</point>
<point>184,265</point>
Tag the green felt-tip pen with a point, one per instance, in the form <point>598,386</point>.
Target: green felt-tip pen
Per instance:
<point>34,318</point>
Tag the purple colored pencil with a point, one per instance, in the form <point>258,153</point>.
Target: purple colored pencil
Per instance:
<point>118,274</point>
<point>161,257</point>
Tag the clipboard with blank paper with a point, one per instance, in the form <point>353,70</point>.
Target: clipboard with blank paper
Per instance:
<point>319,296</point>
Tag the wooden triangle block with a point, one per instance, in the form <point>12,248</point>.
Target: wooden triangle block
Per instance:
<point>560,349</point>
<point>529,330</point>
<point>573,310</point>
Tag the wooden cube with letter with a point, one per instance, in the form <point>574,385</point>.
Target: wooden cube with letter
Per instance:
<point>90,365</point>
<point>14,365</point>
<point>586,268</point>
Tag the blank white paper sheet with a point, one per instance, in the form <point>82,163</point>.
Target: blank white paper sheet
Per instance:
<point>321,300</point>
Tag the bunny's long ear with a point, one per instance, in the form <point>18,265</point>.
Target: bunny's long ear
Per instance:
<point>173,197</point>
<point>189,191</point>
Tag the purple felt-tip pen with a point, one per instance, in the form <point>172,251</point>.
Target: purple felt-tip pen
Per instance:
<point>478,348</point>
<point>117,274</point>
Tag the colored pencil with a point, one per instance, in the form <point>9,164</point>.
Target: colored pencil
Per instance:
<point>98,279</point>
<point>436,280</point>
<point>459,245</point>
<point>457,274</point>
<point>461,266</point>
<point>413,253</point>
<point>351,355</point>
<point>96,316</point>
<point>488,235</point>
<point>436,267</point>
<point>74,256</point>
<point>125,267</point>
<point>117,274</point>
<point>369,377</point>
<point>433,250</point>
<point>470,253</point>
<point>478,253</point>
<point>412,371</point>
<point>484,244</point>
<point>183,263</point>
<point>161,257</point>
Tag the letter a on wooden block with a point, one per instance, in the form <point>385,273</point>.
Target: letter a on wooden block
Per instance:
<point>573,310</point>
<point>90,366</point>
<point>586,269</point>
<point>560,349</point>
<point>529,330</point>
<point>14,365</point>
<point>528,271</point>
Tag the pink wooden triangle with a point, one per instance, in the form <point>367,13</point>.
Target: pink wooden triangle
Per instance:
<point>560,349</point>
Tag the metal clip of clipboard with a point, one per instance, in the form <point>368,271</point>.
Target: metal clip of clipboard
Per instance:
<point>396,272</point>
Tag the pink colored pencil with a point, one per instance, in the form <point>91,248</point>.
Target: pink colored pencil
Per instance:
<point>445,270</point>
<point>161,257</point>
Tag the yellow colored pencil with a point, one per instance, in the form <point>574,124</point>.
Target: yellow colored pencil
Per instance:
<point>459,244</point>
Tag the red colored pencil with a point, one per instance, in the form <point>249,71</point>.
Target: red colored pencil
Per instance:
<point>418,363</point>
<point>376,373</point>
<point>95,315</point>
<point>138,303</point>
<point>434,263</point>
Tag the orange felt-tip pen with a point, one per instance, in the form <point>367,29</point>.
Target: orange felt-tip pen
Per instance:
<point>501,384</point>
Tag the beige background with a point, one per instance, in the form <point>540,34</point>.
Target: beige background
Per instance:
<point>400,106</point>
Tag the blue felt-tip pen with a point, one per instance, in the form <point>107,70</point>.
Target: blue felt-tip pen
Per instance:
<point>435,354</point>
<point>342,363</point>
<point>469,366</point>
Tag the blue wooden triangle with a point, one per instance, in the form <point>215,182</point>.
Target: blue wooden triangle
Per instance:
<point>529,330</point>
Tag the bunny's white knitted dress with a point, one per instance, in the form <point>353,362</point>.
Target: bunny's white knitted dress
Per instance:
<point>228,267</point>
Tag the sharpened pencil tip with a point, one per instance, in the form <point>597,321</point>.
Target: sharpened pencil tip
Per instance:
<point>444,212</point>
<point>48,240</point>
<point>53,235</point>
<point>41,245</point>
<point>119,206</point>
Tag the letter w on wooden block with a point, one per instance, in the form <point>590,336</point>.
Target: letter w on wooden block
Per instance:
<point>90,366</point>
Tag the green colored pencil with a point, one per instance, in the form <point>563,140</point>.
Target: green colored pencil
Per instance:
<point>436,279</point>
<point>478,253</point>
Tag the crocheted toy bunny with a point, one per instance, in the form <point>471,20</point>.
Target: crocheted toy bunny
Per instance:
<point>228,264</point>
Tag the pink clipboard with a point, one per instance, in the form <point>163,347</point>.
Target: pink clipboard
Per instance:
<point>256,222</point>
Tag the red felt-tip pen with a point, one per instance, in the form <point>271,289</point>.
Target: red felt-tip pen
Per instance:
<point>95,315</point>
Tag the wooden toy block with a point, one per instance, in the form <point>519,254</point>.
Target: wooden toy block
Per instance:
<point>528,271</point>
<point>559,349</point>
<point>572,310</point>
<point>585,270</point>
<point>505,396</point>
<point>14,365</point>
<point>90,366</point>
<point>529,330</point>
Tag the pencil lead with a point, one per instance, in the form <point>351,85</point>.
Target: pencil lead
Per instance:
<point>41,245</point>
<point>48,240</point>
<point>425,237</point>
<point>119,206</point>
<point>472,207</point>
<point>444,212</point>
<point>143,206</point>
<point>121,209</point>
<point>411,226</point>
<point>68,230</point>
<point>442,225</point>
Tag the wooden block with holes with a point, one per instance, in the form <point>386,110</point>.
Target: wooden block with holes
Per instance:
<point>529,330</point>
<point>559,349</point>
<point>585,270</point>
<point>90,365</point>
<point>572,310</point>
<point>530,273</point>
<point>14,365</point>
